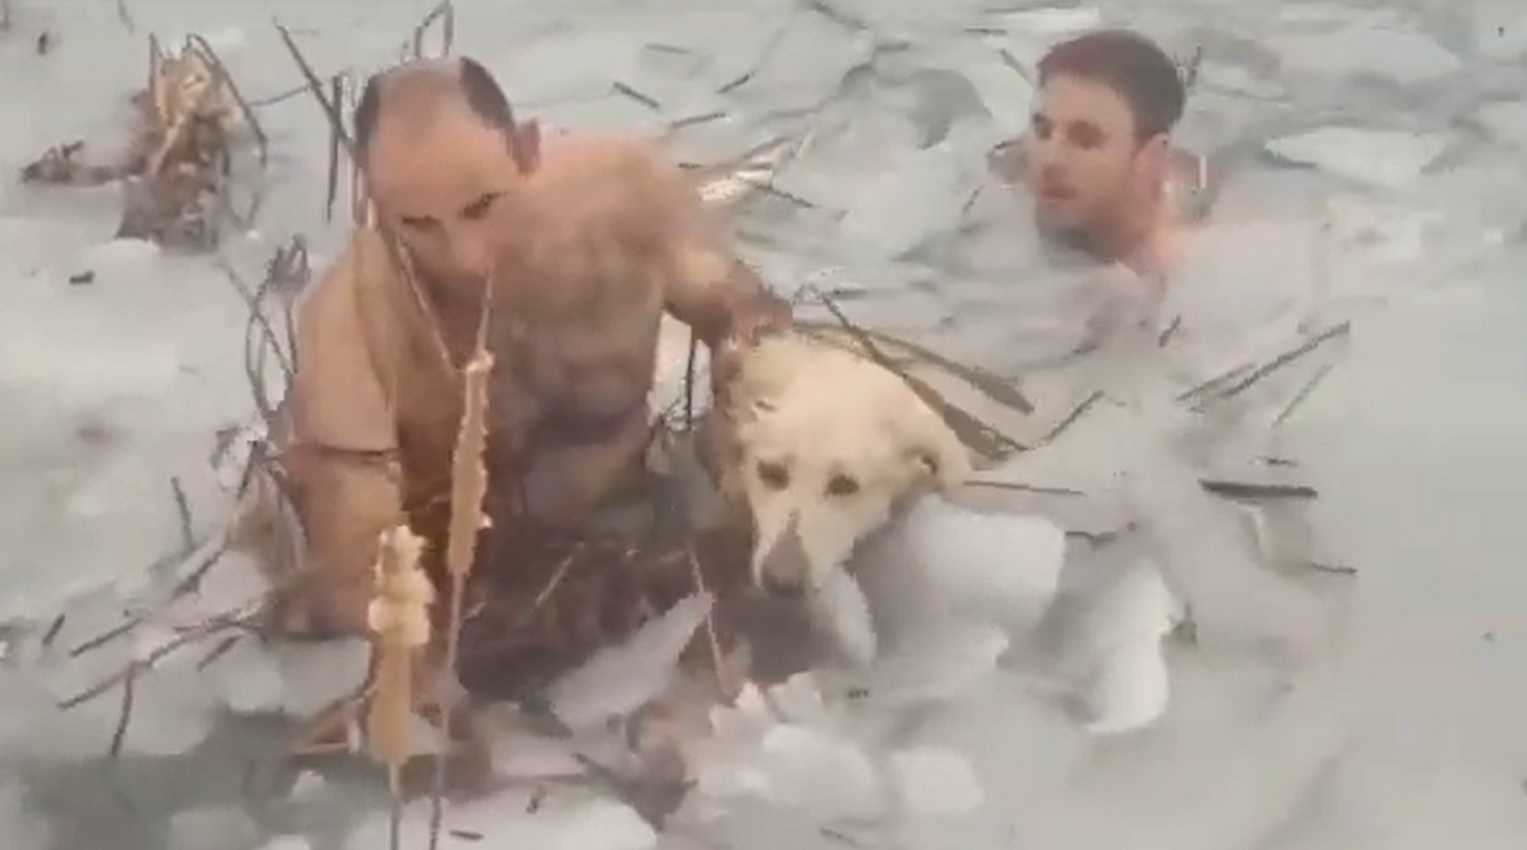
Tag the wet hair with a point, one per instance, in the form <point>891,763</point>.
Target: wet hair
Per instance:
<point>481,91</point>
<point>1130,64</point>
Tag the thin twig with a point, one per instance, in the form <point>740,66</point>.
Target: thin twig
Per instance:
<point>183,511</point>
<point>216,626</point>
<point>974,433</point>
<point>990,383</point>
<point>252,300</point>
<point>717,660</point>
<point>692,120</point>
<point>1011,61</point>
<point>1025,488</point>
<point>105,638</point>
<point>1258,490</point>
<point>446,13</point>
<point>53,630</point>
<point>1288,357</point>
<point>331,110</point>
<point>395,820</point>
<point>218,651</point>
<point>120,735</point>
<point>689,385</point>
<point>556,579</point>
<point>1304,393</point>
<point>1072,417</point>
<point>1171,330</point>
<point>124,16</point>
<point>1228,375</point>
<point>328,206</point>
<point>274,99</point>
<point>644,99</point>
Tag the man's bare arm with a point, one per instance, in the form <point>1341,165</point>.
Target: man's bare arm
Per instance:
<point>719,296</point>
<point>340,459</point>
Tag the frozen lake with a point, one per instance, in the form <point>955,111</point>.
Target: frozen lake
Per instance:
<point>1377,162</point>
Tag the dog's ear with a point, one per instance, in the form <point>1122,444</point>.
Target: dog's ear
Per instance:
<point>943,465</point>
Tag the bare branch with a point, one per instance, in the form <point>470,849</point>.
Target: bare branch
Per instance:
<point>120,735</point>
<point>1288,357</point>
<point>221,70</point>
<point>331,110</point>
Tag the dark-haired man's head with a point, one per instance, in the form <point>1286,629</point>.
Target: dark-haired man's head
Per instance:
<point>439,148</point>
<point>1098,149</point>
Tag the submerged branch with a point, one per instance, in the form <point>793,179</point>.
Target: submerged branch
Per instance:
<point>1287,357</point>
<point>1258,490</point>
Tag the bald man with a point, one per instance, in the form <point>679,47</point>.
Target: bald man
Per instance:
<point>585,243</point>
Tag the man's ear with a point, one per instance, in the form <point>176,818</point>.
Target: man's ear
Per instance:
<point>525,143</point>
<point>1153,160</point>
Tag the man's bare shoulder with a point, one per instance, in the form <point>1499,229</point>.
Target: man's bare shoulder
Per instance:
<point>611,169</point>
<point>622,188</point>
<point>334,289</point>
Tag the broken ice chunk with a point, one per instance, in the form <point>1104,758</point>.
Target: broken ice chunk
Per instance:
<point>1386,158</point>
<point>621,679</point>
<point>248,679</point>
<point>942,559</point>
<point>1404,57</point>
<point>1126,683</point>
<point>1055,21</point>
<point>936,781</point>
<point>315,675</point>
<point>812,770</point>
<point>172,712</point>
<point>804,66</point>
<point>839,608</point>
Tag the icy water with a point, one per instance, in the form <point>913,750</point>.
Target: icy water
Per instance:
<point>1377,156</point>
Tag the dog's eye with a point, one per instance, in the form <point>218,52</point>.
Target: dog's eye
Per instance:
<point>774,475</point>
<point>842,485</point>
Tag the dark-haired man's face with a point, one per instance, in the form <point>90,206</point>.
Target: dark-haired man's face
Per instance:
<point>437,185</point>
<point>1083,157</point>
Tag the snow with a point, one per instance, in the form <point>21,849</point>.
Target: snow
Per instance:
<point>1019,680</point>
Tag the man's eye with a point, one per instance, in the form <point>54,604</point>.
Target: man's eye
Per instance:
<point>417,222</point>
<point>479,208</point>
<point>1086,136</point>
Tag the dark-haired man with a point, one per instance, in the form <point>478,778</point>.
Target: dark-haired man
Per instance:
<point>1099,151</point>
<point>585,243</point>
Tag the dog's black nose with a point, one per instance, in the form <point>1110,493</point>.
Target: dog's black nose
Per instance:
<point>791,588</point>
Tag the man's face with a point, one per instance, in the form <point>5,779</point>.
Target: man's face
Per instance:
<point>1081,155</point>
<point>438,189</point>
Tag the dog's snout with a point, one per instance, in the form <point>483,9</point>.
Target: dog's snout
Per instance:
<point>786,586</point>
<point>784,568</point>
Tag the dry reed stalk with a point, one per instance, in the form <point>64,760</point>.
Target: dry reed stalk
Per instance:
<point>399,618</point>
<point>469,484</point>
<point>330,110</point>
<point>215,63</point>
<point>338,93</point>
<point>445,13</point>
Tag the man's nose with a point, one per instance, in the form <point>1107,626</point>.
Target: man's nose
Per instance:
<point>473,250</point>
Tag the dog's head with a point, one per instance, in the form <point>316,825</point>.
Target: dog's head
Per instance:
<point>826,445</point>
